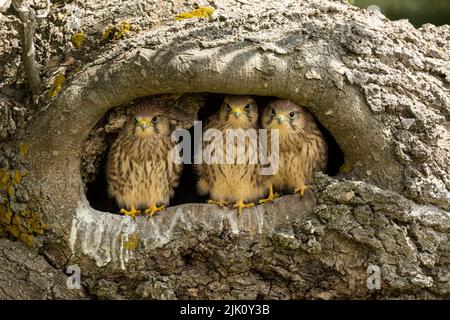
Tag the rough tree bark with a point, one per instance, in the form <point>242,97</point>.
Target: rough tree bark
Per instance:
<point>381,88</point>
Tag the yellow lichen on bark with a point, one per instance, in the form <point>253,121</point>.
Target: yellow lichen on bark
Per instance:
<point>118,31</point>
<point>5,215</point>
<point>77,39</point>
<point>4,179</point>
<point>202,12</point>
<point>22,224</point>
<point>56,85</point>
<point>17,176</point>
<point>345,168</point>
<point>131,243</point>
<point>23,149</point>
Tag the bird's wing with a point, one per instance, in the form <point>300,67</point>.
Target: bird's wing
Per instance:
<point>319,150</point>
<point>311,158</point>
<point>173,169</point>
<point>204,171</point>
<point>212,122</point>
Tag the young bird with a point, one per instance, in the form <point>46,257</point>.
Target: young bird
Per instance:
<point>237,183</point>
<point>303,150</point>
<point>140,172</point>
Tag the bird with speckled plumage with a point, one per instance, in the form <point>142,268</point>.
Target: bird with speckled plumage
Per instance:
<point>302,147</point>
<point>140,172</point>
<point>238,183</point>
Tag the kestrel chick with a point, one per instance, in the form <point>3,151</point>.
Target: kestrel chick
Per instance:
<point>235,183</point>
<point>140,171</point>
<point>302,148</point>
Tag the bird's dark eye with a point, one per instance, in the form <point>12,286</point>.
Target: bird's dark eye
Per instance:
<point>292,115</point>
<point>272,112</point>
<point>228,107</point>
<point>135,120</point>
<point>247,107</point>
<point>155,119</point>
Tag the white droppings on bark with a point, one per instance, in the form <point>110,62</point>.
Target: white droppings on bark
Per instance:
<point>74,17</point>
<point>233,223</point>
<point>101,236</point>
<point>125,254</point>
<point>260,219</point>
<point>106,238</point>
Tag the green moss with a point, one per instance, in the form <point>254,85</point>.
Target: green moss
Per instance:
<point>118,31</point>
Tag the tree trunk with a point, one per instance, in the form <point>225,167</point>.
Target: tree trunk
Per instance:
<point>381,88</point>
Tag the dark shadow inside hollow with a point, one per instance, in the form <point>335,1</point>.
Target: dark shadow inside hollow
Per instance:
<point>96,188</point>
<point>96,191</point>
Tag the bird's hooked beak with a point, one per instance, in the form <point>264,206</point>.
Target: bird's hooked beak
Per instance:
<point>144,123</point>
<point>237,111</point>
<point>281,118</point>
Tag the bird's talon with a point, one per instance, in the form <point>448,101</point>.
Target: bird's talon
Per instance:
<point>132,213</point>
<point>153,209</point>
<point>301,190</point>
<point>241,205</point>
<point>272,196</point>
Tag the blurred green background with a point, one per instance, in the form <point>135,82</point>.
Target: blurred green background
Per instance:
<point>417,11</point>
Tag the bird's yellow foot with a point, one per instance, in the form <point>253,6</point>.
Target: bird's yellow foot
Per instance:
<point>301,190</point>
<point>241,205</point>
<point>217,203</point>
<point>272,196</point>
<point>132,213</point>
<point>151,211</point>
